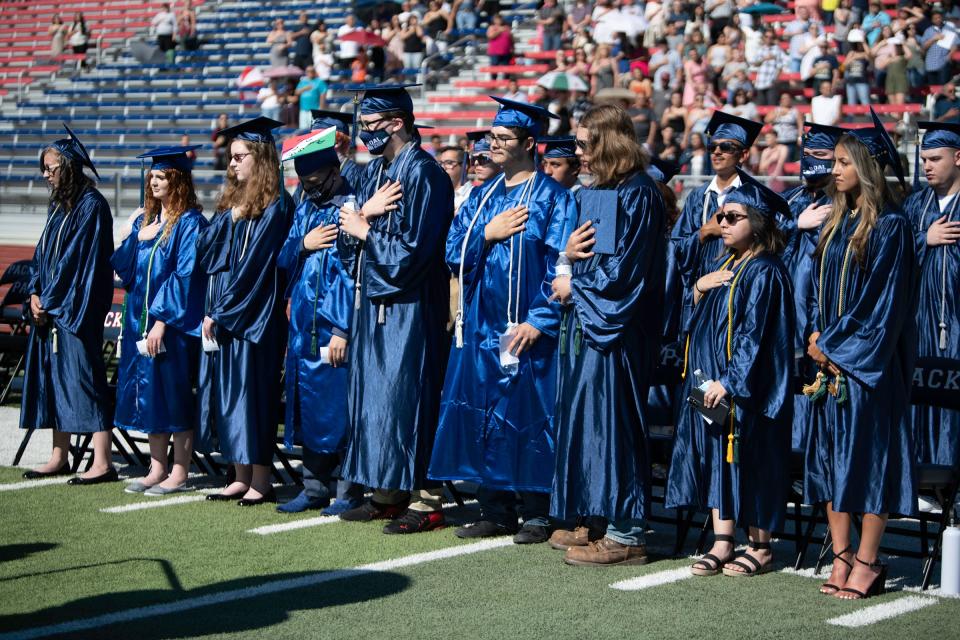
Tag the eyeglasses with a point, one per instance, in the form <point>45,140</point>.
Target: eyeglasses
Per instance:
<point>449,164</point>
<point>50,170</point>
<point>724,147</point>
<point>238,157</point>
<point>501,141</point>
<point>731,218</point>
<point>369,126</point>
<point>481,160</point>
<point>583,145</point>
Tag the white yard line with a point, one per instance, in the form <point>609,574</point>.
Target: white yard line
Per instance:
<point>276,586</point>
<point>31,484</point>
<point>653,579</point>
<point>879,612</point>
<point>293,526</point>
<point>153,504</point>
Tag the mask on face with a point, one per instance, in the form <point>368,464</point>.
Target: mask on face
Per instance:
<point>812,168</point>
<point>375,141</point>
<point>322,192</point>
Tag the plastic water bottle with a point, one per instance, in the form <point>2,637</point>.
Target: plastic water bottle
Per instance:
<point>702,383</point>
<point>350,202</point>
<point>950,563</point>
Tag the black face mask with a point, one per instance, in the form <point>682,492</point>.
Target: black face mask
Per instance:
<point>322,192</point>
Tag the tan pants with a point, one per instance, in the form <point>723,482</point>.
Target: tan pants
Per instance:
<point>420,499</point>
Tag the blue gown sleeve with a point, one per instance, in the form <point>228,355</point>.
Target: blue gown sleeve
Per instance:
<point>607,297</point>
<point>913,208</point>
<point>542,314</point>
<point>337,305</point>
<point>291,255</point>
<point>758,373</point>
<point>863,340</point>
<point>245,306</point>
<point>476,245</point>
<point>685,238</point>
<point>67,296</point>
<point>213,245</point>
<point>399,257</point>
<point>179,300</point>
<point>124,259</point>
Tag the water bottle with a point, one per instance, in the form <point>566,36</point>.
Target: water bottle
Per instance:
<point>950,560</point>
<point>350,202</point>
<point>702,383</point>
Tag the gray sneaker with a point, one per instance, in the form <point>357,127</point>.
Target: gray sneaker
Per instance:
<point>157,490</point>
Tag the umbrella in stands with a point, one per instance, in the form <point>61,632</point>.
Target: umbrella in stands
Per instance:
<point>611,94</point>
<point>562,81</point>
<point>289,71</point>
<point>146,53</point>
<point>364,39</point>
<point>763,9</point>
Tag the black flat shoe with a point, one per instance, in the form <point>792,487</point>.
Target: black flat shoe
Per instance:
<point>36,475</point>
<point>223,497</point>
<point>269,496</point>
<point>109,476</point>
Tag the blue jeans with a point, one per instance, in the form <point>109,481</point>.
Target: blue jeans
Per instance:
<point>551,42</point>
<point>629,532</point>
<point>858,91</point>
<point>320,471</point>
<point>466,20</point>
<point>502,507</point>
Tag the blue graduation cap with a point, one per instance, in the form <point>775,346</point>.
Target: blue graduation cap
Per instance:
<point>662,170</point>
<point>71,148</point>
<point>479,140</point>
<point>881,147</point>
<point>821,136</point>
<point>323,119</point>
<point>939,135</point>
<point>257,130</point>
<point>520,114</point>
<point>726,126</point>
<point>560,147</point>
<point>752,193</point>
<point>171,157</point>
<point>378,98</point>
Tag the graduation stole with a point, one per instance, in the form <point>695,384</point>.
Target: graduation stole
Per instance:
<point>816,390</point>
<point>146,296</point>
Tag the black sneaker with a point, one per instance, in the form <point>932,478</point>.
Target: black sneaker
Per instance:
<point>373,511</point>
<point>483,529</point>
<point>416,522</point>
<point>532,534</point>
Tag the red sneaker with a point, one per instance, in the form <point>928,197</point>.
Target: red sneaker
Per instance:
<point>416,522</point>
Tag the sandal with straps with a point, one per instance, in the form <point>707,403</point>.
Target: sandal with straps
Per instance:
<point>713,569</point>
<point>749,571</point>
<point>877,588</point>
<point>836,556</point>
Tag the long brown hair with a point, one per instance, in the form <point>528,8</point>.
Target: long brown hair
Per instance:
<point>873,190</point>
<point>614,150</point>
<point>71,183</point>
<point>255,194</point>
<point>183,197</point>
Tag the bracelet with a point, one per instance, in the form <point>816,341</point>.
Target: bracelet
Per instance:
<point>697,288</point>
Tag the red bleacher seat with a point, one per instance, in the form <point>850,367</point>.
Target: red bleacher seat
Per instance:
<point>470,99</point>
<point>516,68</point>
<point>455,115</point>
<point>492,84</point>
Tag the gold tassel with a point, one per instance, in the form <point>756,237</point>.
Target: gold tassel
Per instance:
<point>382,314</point>
<point>54,339</point>
<point>730,444</point>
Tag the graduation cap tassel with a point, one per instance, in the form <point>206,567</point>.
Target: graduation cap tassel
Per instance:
<point>458,329</point>
<point>382,314</point>
<point>815,390</point>
<point>313,343</point>
<point>563,333</point>
<point>577,338</point>
<point>730,439</point>
<point>842,396</point>
<point>943,336</point>
<point>916,163</point>
<point>143,187</point>
<point>54,333</point>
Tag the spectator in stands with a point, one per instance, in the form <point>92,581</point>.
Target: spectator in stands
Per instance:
<point>58,35</point>
<point>581,65</point>
<point>347,49</point>
<point>279,40</point>
<point>499,41</point>
<point>696,119</point>
<point>740,82</point>
<point>603,70</point>
<point>322,58</point>
<point>827,7</point>
<point>826,66</point>
<point>695,160</point>
<point>514,92</point>
<point>916,65</point>
<point>856,69</point>
<point>221,143</point>
<point>873,23</point>
<point>770,61</point>
<point>79,37</point>
<point>71,289</point>
<point>435,22</point>
<point>164,26</point>
<point>939,41</point>
<point>826,107</point>
<point>391,33</point>
<point>695,70</point>
<point>269,100</point>
<point>718,55</point>
<point>550,19</point>
<point>787,122</point>
<point>300,41</point>
<point>896,82</point>
<point>164,309</point>
<point>946,107</point>
<point>674,116</point>
<point>578,18</point>
<point>720,13</point>
<point>452,160</point>
<point>245,314</point>
<point>743,106</point>
<point>290,103</point>
<point>799,32</point>
<point>774,155</point>
<point>311,92</point>
<point>358,68</point>
<point>413,46</point>
<point>187,27</point>
<point>190,153</point>
<point>464,16</point>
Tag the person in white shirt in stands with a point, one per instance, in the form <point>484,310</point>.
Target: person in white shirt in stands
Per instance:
<point>826,107</point>
<point>347,50</point>
<point>163,25</point>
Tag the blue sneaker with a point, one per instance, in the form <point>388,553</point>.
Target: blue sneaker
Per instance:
<point>301,503</point>
<point>340,506</point>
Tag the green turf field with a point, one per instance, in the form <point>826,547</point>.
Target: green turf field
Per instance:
<point>63,561</point>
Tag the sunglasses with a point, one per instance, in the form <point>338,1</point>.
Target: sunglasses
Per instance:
<point>724,147</point>
<point>481,160</point>
<point>583,145</point>
<point>731,218</point>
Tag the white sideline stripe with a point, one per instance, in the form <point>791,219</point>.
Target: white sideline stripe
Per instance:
<point>165,502</point>
<point>885,611</point>
<point>653,580</point>
<point>30,484</point>
<point>292,526</point>
<point>276,586</point>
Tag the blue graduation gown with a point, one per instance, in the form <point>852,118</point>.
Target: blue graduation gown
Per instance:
<point>609,344</point>
<point>321,303</point>
<point>662,398</point>
<point>155,395</point>
<point>239,387</point>
<point>753,491</point>
<point>860,454</point>
<point>497,428</point>
<point>67,390</point>
<point>397,367</point>
<point>689,254</point>
<point>937,430</point>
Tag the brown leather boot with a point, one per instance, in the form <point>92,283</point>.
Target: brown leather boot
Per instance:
<point>606,552</point>
<point>563,539</point>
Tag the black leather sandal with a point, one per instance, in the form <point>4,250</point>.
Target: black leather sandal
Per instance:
<point>713,569</point>
<point>754,568</point>
<point>827,588</point>
<point>877,588</point>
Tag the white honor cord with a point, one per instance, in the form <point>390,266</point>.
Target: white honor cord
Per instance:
<point>56,254</point>
<point>458,330</point>
<point>525,194</point>
<point>943,281</point>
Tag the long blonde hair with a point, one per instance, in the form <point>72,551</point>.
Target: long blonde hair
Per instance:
<point>183,197</point>
<point>614,150</point>
<point>874,192</point>
<point>256,193</point>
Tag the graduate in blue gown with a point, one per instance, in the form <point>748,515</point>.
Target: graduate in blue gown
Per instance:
<point>809,207</point>
<point>71,290</point>
<point>739,349</point>
<point>609,345</point>
<point>935,214</point>
<point>163,309</point>
<point>398,340</point>
<point>245,324</point>
<point>560,161</point>
<point>321,304</point>
<point>496,413</point>
<point>861,326</point>
<point>349,169</point>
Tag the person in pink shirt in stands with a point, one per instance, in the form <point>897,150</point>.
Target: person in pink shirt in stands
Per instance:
<point>499,41</point>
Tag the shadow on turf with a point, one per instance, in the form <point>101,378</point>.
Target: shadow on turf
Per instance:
<point>10,552</point>
<point>248,614</point>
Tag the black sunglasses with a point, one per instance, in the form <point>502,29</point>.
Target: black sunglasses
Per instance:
<point>725,147</point>
<point>731,218</point>
<point>481,160</point>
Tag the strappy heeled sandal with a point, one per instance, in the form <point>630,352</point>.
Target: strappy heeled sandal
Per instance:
<point>827,588</point>
<point>877,588</point>
<point>754,568</point>
<point>717,563</point>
